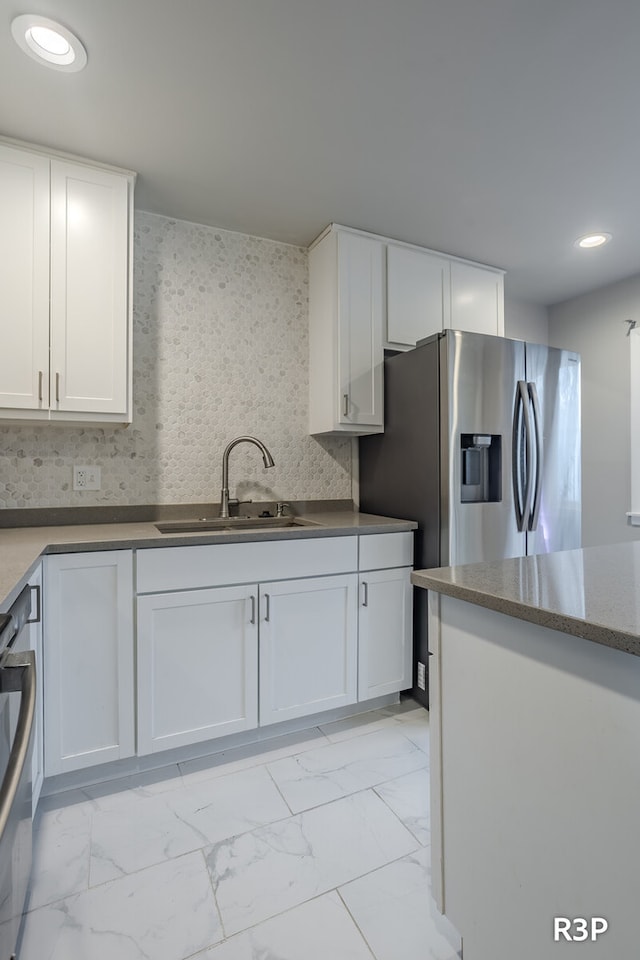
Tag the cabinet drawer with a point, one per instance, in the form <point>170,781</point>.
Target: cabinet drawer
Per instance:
<point>380,550</point>
<point>188,568</point>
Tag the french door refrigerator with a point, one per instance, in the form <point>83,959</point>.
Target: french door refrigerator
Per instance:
<point>481,447</point>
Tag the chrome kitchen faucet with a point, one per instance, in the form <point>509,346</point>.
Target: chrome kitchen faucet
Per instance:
<point>224,493</point>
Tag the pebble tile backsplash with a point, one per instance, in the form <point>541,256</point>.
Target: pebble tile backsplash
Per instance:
<point>220,350</point>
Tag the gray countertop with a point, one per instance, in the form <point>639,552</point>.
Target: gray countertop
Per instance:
<point>592,593</point>
<point>22,547</point>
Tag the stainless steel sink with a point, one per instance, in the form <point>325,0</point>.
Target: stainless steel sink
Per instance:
<point>231,523</point>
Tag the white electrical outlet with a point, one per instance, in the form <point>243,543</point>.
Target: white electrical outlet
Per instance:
<point>422,679</point>
<point>86,478</point>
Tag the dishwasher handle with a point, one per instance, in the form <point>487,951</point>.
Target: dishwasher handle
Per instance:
<point>17,675</point>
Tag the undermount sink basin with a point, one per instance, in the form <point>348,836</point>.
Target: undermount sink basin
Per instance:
<point>231,523</point>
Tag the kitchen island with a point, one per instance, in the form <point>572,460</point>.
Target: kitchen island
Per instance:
<point>534,687</point>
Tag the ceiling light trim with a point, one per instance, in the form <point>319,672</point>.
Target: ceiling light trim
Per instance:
<point>592,240</point>
<point>70,59</point>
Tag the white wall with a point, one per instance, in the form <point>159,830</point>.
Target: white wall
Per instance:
<point>594,326</point>
<point>220,349</point>
<point>526,321</point>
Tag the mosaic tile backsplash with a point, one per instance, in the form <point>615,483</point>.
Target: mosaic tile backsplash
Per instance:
<point>220,350</point>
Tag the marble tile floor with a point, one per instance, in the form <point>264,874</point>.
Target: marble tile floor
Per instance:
<point>313,846</point>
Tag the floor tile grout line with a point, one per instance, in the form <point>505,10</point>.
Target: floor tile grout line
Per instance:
<point>215,901</point>
<point>284,799</point>
<point>355,922</point>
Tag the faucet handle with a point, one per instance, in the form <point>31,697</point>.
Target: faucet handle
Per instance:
<point>234,505</point>
<point>280,508</point>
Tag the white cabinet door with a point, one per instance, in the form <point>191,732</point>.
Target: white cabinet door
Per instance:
<point>418,303</point>
<point>88,659</point>
<point>24,280</point>
<point>477,299</point>
<point>384,632</point>
<point>197,666</point>
<point>308,646</point>
<point>360,354</point>
<point>35,644</point>
<point>65,276</point>
<point>346,304</point>
<point>89,289</point>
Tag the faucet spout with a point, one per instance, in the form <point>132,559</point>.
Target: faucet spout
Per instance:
<point>224,493</point>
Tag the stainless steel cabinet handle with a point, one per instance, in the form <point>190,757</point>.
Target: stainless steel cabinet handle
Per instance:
<point>40,379</point>
<point>57,388</point>
<point>18,674</point>
<point>345,404</point>
<point>253,609</point>
<point>365,593</point>
<point>267,609</point>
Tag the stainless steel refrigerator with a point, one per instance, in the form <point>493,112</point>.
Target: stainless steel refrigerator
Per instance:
<point>481,447</point>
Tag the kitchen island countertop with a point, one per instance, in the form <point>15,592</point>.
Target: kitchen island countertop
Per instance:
<point>591,592</point>
<point>22,547</point>
<point>533,744</point>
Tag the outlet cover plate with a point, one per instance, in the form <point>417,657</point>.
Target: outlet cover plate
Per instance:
<point>86,478</point>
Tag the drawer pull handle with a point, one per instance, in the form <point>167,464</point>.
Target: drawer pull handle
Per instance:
<point>57,388</point>
<point>345,404</point>
<point>267,607</point>
<point>365,594</point>
<point>253,609</point>
<point>40,379</point>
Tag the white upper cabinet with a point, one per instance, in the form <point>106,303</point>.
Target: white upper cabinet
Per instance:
<point>89,289</point>
<point>477,299</point>
<point>65,319</point>
<point>368,294</point>
<point>24,278</point>
<point>428,293</point>
<point>418,302</point>
<point>346,301</point>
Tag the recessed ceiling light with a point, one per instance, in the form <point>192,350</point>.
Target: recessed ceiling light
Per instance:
<point>48,42</point>
<point>593,240</point>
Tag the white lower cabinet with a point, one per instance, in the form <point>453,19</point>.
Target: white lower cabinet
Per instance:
<point>88,660</point>
<point>385,619</point>
<point>212,656</point>
<point>308,646</point>
<point>197,666</point>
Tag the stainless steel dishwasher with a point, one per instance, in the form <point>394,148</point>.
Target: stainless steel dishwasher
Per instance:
<point>17,712</point>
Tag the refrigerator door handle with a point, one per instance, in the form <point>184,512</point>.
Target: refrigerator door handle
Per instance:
<point>537,492</point>
<point>521,470</point>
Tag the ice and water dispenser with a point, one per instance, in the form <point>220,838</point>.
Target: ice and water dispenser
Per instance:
<point>481,467</point>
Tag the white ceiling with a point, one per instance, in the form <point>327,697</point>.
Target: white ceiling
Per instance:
<point>498,130</point>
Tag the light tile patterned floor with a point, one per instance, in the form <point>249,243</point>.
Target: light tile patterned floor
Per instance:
<point>314,846</point>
